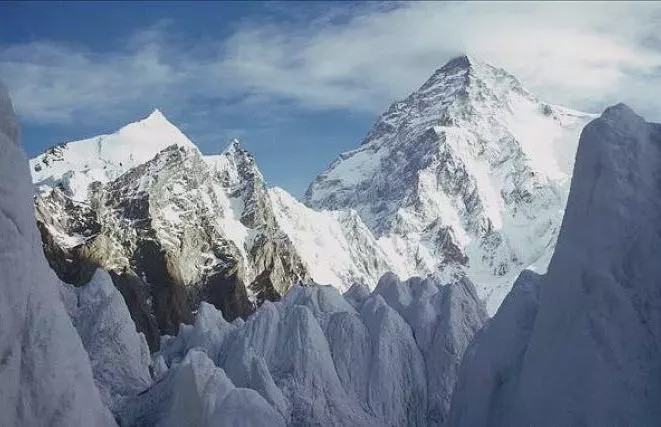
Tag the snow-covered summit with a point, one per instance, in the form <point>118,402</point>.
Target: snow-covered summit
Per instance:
<point>235,165</point>
<point>76,164</point>
<point>468,174</point>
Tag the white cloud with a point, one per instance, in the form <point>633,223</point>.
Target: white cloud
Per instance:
<point>581,54</point>
<point>571,52</point>
<point>52,82</point>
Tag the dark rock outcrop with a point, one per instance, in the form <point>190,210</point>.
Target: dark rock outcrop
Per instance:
<point>167,231</point>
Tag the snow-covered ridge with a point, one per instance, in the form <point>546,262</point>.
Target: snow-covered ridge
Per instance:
<point>103,158</point>
<point>336,246</point>
<point>467,175</point>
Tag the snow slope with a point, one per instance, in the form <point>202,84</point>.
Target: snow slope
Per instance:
<point>468,175</point>
<point>585,350</point>
<point>44,370</point>
<point>336,246</point>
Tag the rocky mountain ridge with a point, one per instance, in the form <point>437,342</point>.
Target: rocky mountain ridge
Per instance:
<point>452,181</point>
<point>575,346</point>
<point>182,227</point>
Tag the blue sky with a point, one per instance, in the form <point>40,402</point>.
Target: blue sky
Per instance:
<point>291,146</point>
<point>298,82</point>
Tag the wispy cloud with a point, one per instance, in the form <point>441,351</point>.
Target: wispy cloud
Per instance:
<point>581,54</point>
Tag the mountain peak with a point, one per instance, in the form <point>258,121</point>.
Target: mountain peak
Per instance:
<point>463,71</point>
<point>235,150</point>
<point>234,145</point>
<point>156,114</point>
<point>453,73</point>
<point>463,61</point>
<point>104,157</point>
<point>620,111</point>
<point>142,140</point>
<point>470,147</point>
<point>155,119</point>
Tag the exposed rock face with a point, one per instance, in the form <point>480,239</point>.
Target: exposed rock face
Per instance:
<point>174,231</point>
<point>586,350</point>
<point>44,371</point>
<point>388,357</point>
<point>175,227</point>
<point>468,175</point>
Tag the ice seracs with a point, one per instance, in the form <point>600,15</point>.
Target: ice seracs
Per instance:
<point>45,372</point>
<point>488,375</point>
<point>387,357</point>
<point>119,354</point>
<point>467,175</point>
<point>579,345</point>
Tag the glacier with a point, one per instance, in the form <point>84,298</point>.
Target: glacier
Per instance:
<point>316,357</point>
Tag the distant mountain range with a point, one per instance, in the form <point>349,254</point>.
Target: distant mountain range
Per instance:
<point>466,176</point>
